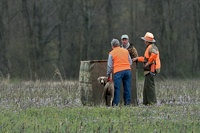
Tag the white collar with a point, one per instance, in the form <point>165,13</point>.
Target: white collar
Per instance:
<point>126,46</point>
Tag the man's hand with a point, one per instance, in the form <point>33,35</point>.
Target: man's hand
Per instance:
<point>135,59</point>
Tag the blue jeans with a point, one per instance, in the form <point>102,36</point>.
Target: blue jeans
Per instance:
<point>124,77</point>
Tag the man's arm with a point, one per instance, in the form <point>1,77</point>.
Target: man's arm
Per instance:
<point>129,59</point>
<point>140,59</point>
<point>134,51</point>
<point>109,65</point>
<point>152,57</point>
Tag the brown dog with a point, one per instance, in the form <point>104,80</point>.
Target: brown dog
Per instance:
<point>108,89</point>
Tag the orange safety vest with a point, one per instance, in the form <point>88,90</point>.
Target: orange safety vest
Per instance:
<point>151,57</point>
<point>120,59</point>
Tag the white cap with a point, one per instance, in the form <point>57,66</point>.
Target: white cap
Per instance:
<point>124,36</point>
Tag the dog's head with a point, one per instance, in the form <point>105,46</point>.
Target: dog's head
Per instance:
<point>102,79</point>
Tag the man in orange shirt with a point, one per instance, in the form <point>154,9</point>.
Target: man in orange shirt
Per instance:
<point>119,63</point>
<point>151,55</point>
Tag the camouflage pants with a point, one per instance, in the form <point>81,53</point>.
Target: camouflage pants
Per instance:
<point>149,94</point>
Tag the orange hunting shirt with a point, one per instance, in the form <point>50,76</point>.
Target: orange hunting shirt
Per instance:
<point>149,55</point>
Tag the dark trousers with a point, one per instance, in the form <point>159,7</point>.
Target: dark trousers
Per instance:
<point>125,78</point>
<point>149,94</point>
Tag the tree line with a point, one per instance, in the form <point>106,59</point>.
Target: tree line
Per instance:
<point>46,39</point>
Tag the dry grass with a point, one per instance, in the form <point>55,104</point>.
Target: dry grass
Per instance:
<point>37,94</point>
<point>66,93</point>
<point>175,91</point>
<point>56,107</point>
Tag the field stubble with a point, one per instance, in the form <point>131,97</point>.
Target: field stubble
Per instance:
<point>62,94</point>
<point>56,107</point>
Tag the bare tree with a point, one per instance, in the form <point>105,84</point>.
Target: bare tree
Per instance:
<point>196,49</point>
<point>40,36</point>
<point>4,36</point>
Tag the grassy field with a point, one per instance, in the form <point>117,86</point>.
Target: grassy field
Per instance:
<point>56,107</point>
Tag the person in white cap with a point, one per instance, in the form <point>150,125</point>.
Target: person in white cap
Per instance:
<point>129,46</point>
<point>151,56</point>
<point>133,54</point>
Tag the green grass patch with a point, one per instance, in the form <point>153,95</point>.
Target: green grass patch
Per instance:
<point>164,118</point>
<point>56,107</point>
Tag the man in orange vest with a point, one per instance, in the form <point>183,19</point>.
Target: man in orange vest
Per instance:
<point>119,63</point>
<point>150,56</point>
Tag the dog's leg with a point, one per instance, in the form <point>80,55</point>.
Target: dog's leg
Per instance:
<point>106,99</point>
<point>102,98</point>
<point>112,96</point>
<point>112,93</point>
<point>106,87</point>
<point>103,95</point>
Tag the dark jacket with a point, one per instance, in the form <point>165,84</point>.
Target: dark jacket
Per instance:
<point>132,51</point>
